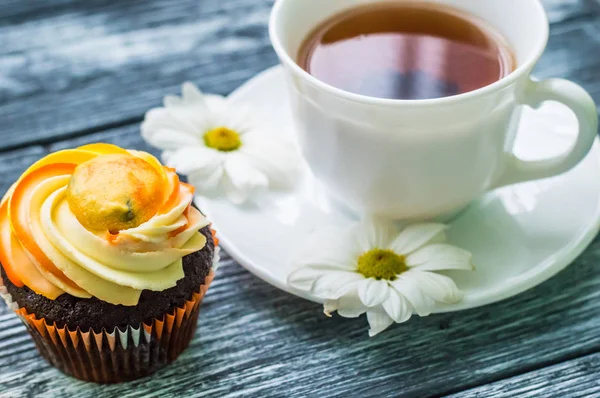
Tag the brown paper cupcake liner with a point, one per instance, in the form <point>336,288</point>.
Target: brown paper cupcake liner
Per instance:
<point>117,355</point>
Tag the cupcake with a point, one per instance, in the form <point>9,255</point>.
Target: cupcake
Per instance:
<point>105,260</point>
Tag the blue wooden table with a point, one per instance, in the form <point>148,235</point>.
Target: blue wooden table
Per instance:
<point>74,72</point>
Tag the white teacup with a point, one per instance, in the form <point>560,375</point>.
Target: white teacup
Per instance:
<point>425,158</point>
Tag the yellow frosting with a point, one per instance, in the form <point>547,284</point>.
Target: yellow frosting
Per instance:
<point>112,267</point>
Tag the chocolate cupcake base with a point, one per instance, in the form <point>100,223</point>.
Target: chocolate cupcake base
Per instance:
<point>96,341</point>
<point>92,313</point>
<point>121,354</point>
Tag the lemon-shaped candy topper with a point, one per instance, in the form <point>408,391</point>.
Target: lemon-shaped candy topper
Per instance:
<point>114,192</point>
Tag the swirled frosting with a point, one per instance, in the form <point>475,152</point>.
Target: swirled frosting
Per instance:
<point>45,247</point>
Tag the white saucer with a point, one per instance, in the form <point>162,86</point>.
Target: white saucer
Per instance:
<point>519,236</point>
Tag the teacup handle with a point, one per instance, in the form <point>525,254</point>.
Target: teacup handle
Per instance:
<point>582,104</point>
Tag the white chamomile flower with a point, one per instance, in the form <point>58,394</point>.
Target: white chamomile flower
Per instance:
<point>377,269</point>
<point>219,146</point>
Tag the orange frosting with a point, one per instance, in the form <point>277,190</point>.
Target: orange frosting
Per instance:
<point>24,262</point>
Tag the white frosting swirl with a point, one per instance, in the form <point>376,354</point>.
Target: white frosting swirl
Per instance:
<point>115,269</point>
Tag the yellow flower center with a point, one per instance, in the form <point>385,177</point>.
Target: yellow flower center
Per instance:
<point>222,139</point>
<point>381,264</point>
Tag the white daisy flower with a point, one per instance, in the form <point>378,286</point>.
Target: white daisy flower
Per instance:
<point>219,147</point>
<point>377,269</point>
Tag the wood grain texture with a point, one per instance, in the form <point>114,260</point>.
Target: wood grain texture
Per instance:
<point>74,72</point>
<point>577,378</point>
<point>82,66</point>
<point>108,62</point>
<point>257,341</point>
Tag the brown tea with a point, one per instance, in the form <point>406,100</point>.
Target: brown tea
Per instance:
<point>406,50</point>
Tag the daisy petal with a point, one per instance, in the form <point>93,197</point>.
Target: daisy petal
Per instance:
<point>397,307</point>
<point>350,306</point>
<point>191,93</point>
<point>303,278</point>
<point>440,257</point>
<point>217,104</point>
<point>439,287</point>
<point>207,181</point>
<point>190,111</point>
<point>330,306</point>
<point>373,292</point>
<point>326,262</point>
<point>333,285</point>
<point>159,119</point>
<point>379,320</point>
<point>239,190</point>
<point>373,233</point>
<point>323,265</point>
<point>240,180</point>
<point>191,118</point>
<point>280,162</point>
<point>168,139</point>
<point>194,159</point>
<point>408,287</point>
<point>415,236</point>
<point>172,101</point>
<point>329,248</point>
<point>236,117</point>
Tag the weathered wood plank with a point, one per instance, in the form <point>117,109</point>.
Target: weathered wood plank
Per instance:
<point>569,40</point>
<point>103,63</point>
<point>255,340</point>
<point>562,10</point>
<point>71,21</point>
<point>18,11</point>
<point>577,378</point>
<point>13,163</point>
<point>80,67</point>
